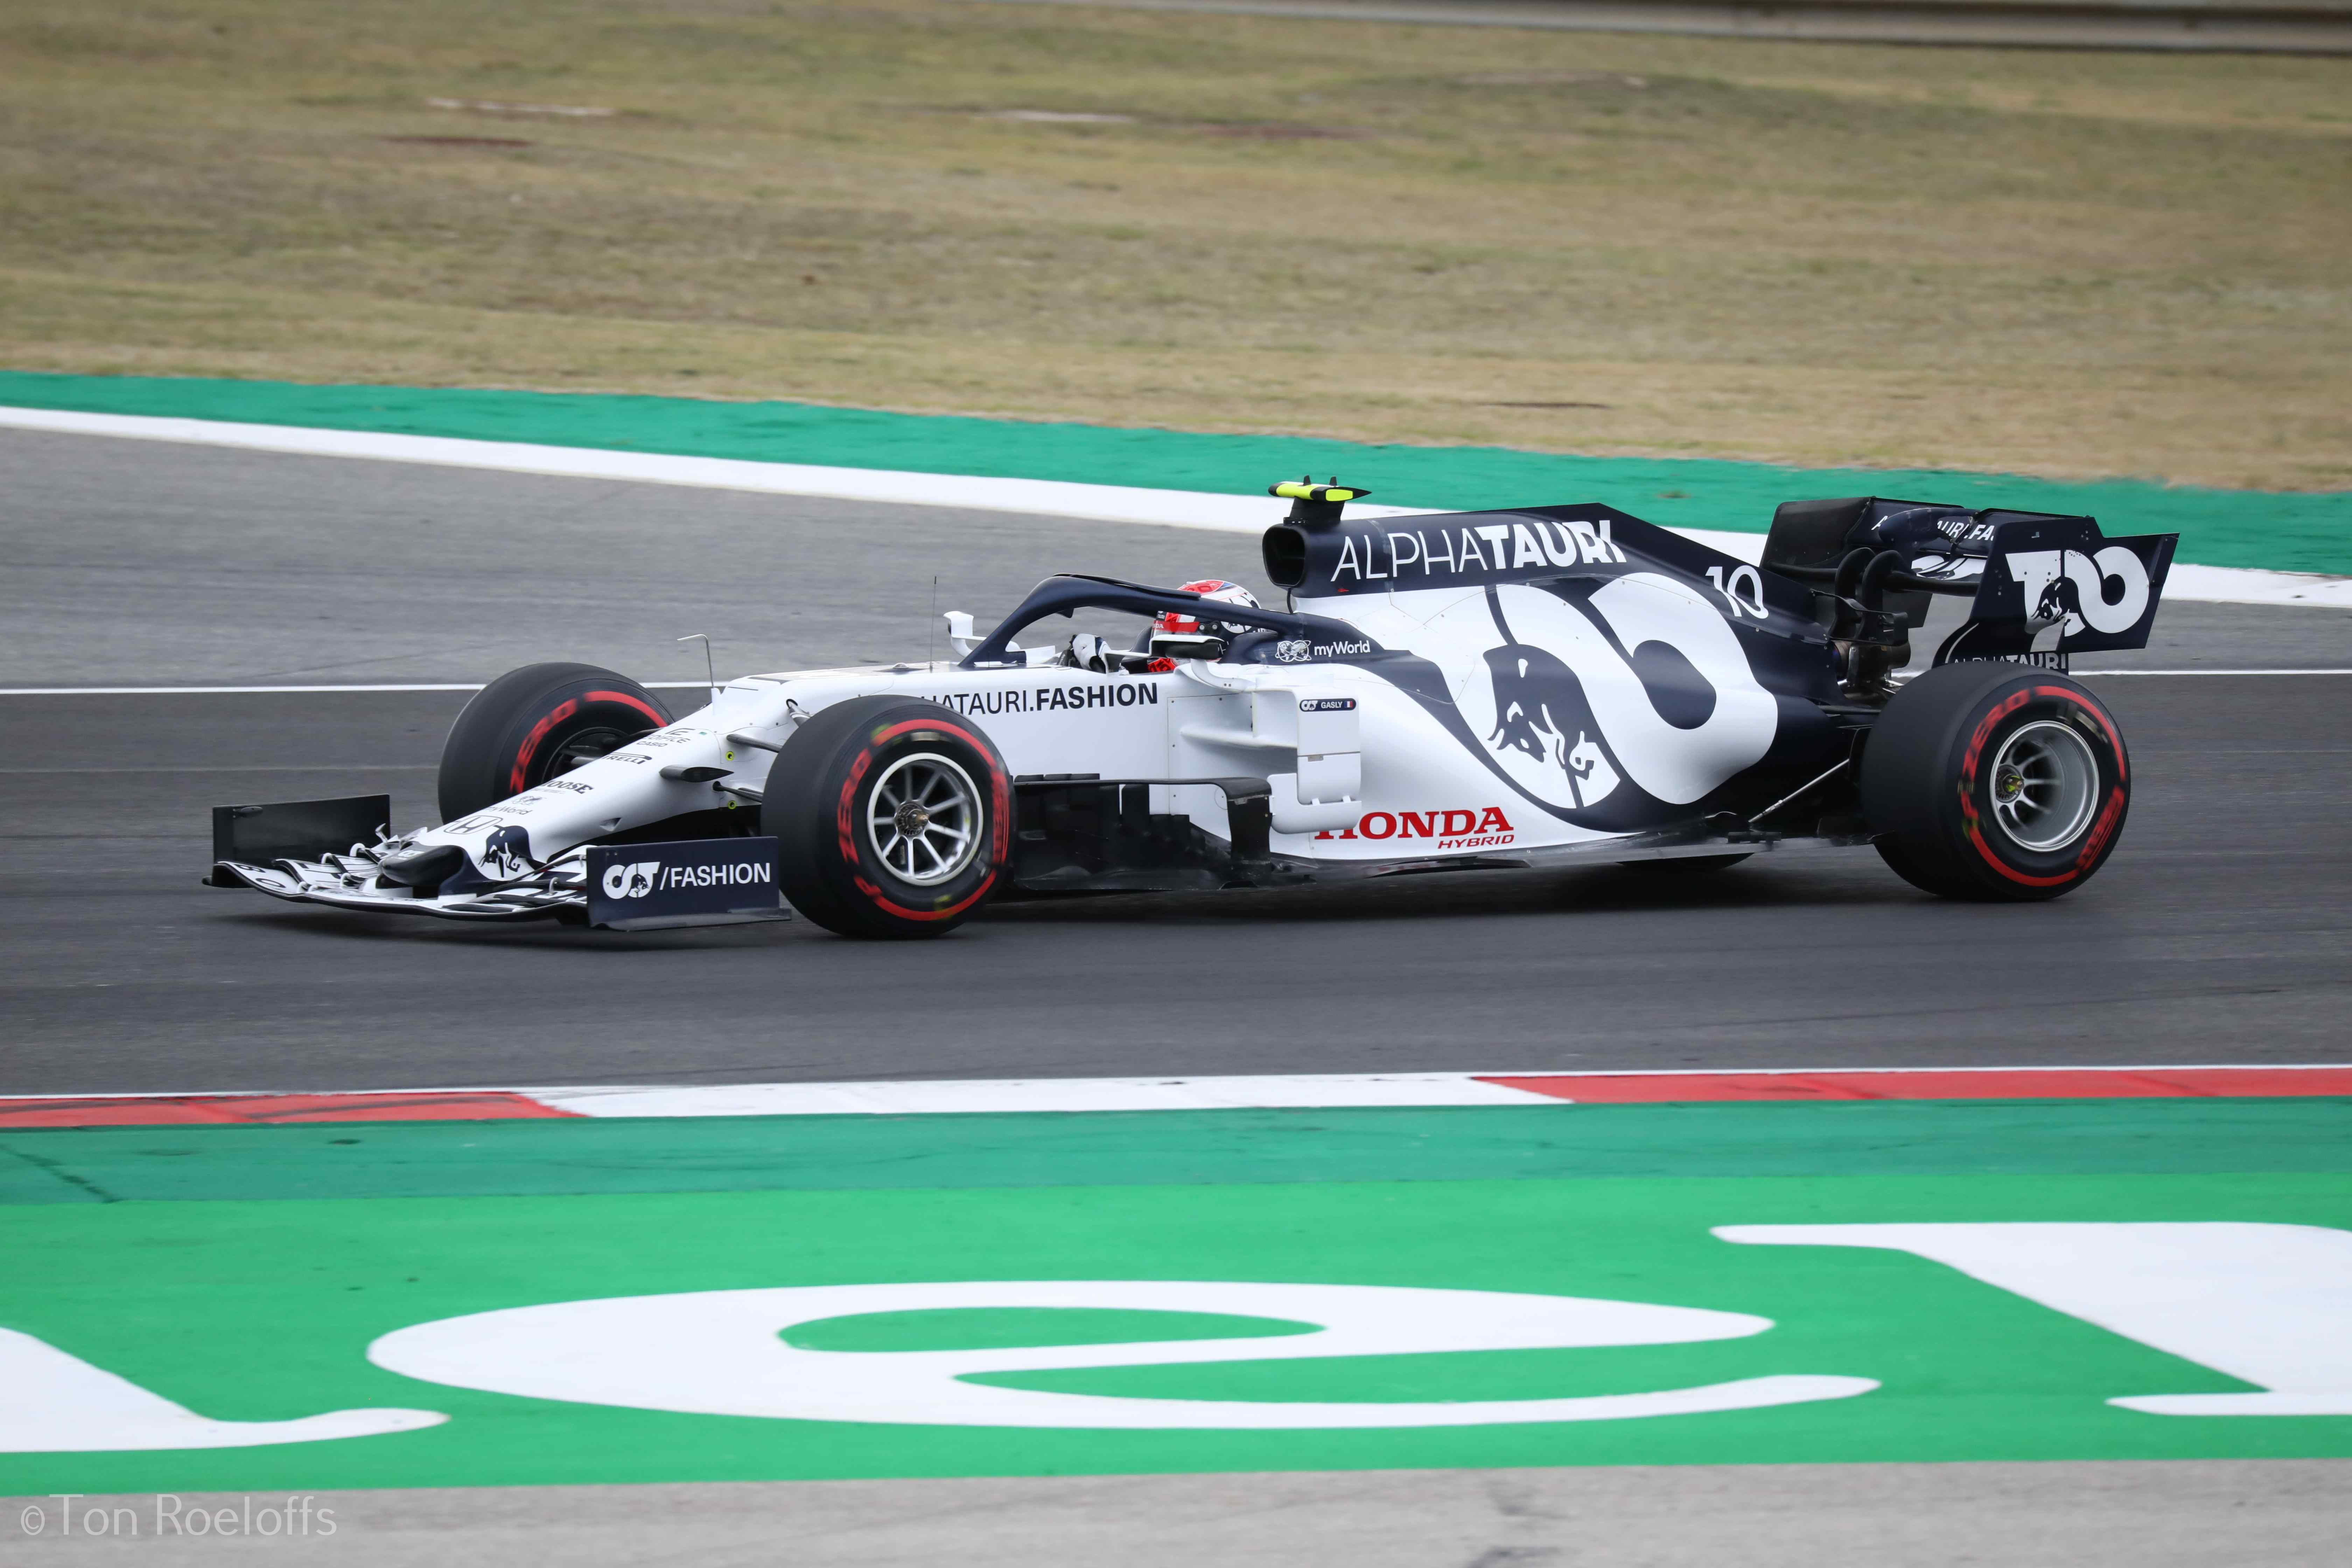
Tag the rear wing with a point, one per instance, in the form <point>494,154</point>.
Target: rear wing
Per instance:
<point>2042,585</point>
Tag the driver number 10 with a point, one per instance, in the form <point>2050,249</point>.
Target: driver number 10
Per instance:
<point>1744,592</point>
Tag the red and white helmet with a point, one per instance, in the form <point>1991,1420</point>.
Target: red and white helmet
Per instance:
<point>1182,625</point>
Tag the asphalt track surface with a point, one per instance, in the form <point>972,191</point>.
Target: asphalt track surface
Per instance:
<point>2217,932</point>
<point>2181,1514</point>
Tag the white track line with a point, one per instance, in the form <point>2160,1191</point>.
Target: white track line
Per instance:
<point>210,690</point>
<point>1046,497</point>
<point>1289,1092</point>
<point>272,690</point>
<point>697,685</point>
<point>2241,585</point>
<point>1318,1091</point>
<point>1266,1093</point>
<point>1337,1078</point>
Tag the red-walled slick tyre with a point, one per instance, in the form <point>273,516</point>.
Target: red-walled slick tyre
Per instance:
<point>532,725</point>
<point>1995,781</point>
<point>892,817</point>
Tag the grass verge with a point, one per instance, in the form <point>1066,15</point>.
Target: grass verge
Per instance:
<point>2059,264</point>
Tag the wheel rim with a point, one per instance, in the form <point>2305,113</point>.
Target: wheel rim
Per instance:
<point>581,747</point>
<point>2044,784</point>
<point>923,819</point>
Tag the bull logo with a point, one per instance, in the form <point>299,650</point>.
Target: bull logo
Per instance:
<point>2059,599</point>
<point>2057,610</point>
<point>1588,718</point>
<point>1541,712</point>
<point>2069,590</point>
<point>505,852</point>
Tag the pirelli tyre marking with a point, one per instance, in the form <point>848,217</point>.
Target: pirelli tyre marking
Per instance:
<point>2113,800</point>
<point>519,777</point>
<point>998,814</point>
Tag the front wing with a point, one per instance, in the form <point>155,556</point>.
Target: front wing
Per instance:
<point>348,882</point>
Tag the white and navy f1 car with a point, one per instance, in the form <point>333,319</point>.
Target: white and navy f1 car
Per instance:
<point>1460,690</point>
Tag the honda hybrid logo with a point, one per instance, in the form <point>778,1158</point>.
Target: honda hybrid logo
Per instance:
<point>638,877</point>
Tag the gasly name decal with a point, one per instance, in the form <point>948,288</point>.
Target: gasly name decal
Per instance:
<point>1485,547</point>
<point>1053,699</point>
<point>1452,829</point>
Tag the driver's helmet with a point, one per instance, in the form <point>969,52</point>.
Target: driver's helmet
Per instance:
<point>1173,624</point>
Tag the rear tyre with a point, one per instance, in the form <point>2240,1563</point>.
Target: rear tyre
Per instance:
<point>1995,781</point>
<point>535,723</point>
<point>892,817</point>
<point>1918,876</point>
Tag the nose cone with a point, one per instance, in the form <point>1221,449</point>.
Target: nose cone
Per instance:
<point>426,868</point>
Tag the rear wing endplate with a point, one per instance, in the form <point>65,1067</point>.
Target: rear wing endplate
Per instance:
<point>2041,584</point>
<point>2056,586</point>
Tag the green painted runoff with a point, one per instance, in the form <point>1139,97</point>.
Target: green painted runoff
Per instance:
<point>243,1271</point>
<point>2278,530</point>
<point>257,1311</point>
<point>1150,1148</point>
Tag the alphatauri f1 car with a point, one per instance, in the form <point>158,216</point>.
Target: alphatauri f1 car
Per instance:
<point>1487,689</point>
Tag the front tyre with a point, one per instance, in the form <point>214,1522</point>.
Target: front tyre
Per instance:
<point>892,817</point>
<point>1995,781</point>
<point>535,723</point>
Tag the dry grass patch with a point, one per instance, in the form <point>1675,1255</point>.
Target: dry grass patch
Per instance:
<point>2062,263</point>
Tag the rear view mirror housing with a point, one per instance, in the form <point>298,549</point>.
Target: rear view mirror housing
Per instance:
<point>1169,646</point>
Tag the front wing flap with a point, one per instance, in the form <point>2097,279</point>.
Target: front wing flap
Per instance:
<point>350,882</point>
